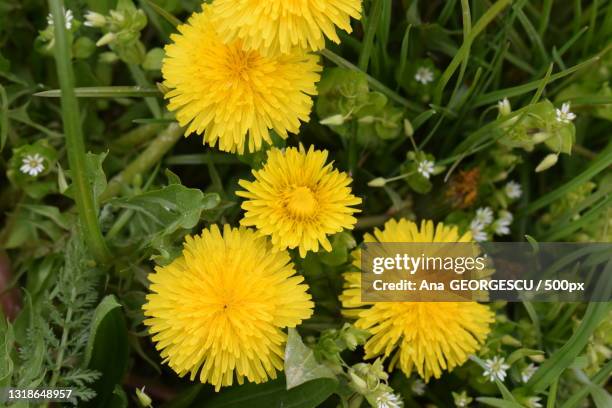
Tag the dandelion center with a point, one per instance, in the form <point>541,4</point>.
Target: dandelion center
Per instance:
<point>301,202</point>
<point>239,65</point>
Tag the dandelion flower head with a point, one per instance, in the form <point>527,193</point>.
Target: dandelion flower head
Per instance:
<point>217,312</point>
<point>298,199</point>
<point>427,337</point>
<point>234,96</point>
<point>283,25</point>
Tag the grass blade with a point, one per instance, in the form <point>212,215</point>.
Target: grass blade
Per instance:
<point>75,144</point>
<point>550,370</point>
<point>464,50</point>
<point>105,92</point>
<point>163,13</point>
<point>603,161</point>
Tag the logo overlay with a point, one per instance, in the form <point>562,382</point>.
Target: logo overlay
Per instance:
<point>510,271</point>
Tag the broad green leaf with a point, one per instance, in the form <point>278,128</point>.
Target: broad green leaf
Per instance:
<point>300,363</point>
<point>95,175</point>
<point>107,350</point>
<point>342,243</point>
<point>272,394</point>
<point>169,208</point>
<point>118,398</point>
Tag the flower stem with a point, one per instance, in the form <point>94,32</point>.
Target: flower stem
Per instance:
<point>75,144</point>
<point>147,159</point>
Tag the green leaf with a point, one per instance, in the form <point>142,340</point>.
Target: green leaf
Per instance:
<point>342,243</point>
<point>163,13</point>
<point>153,59</point>
<point>118,398</point>
<point>95,175</point>
<point>169,208</point>
<point>107,350</point>
<point>273,394</point>
<point>300,363</point>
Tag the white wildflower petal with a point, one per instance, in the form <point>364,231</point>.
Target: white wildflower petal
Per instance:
<point>418,387</point>
<point>32,165</point>
<point>478,232</point>
<point>68,17</point>
<point>484,215</point>
<point>495,369</point>
<point>513,190</point>
<point>533,402</point>
<point>426,168</point>
<point>389,400</point>
<point>527,372</point>
<point>564,115</point>
<point>424,75</point>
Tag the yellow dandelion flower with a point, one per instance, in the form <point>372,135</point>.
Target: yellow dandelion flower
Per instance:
<point>428,337</point>
<point>298,200</point>
<point>232,95</point>
<point>283,25</point>
<point>219,308</point>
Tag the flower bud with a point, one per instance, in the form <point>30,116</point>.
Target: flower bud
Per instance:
<point>333,120</point>
<point>108,57</point>
<point>143,398</point>
<point>549,161</point>
<point>94,19</point>
<point>367,119</point>
<point>106,39</point>
<point>357,383</point>
<point>540,137</point>
<point>510,341</point>
<point>408,129</point>
<point>504,107</point>
<point>537,358</point>
<point>378,182</point>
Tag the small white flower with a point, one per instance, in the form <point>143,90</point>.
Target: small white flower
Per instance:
<point>418,387</point>
<point>426,168</point>
<point>564,115</point>
<point>94,19</point>
<point>68,17</point>
<point>478,232</point>
<point>484,215</point>
<point>513,189</point>
<point>533,402</point>
<point>528,371</point>
<point>32,165</point>
<point>504,107</point>
<point>424,75</point>
<point>501,226</point>
<point>389,400</point>
<point>495,369</point>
